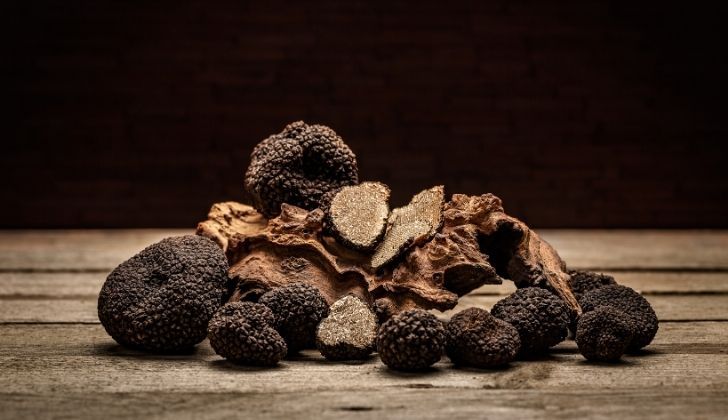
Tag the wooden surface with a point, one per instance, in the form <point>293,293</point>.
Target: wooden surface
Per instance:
<point>56,361</point>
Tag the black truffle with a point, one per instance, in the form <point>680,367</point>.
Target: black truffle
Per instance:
<point>604,334</point>
<point>298,308</point>
<point>541,318</point>
<point>632,304</point>
<point>412,340</point>
<point>584,281</point>
<point>348,333</point>
<point>242,332</point>
<point>298,166</point>
<point>162,298</point>
<point>476,338</point>
<point>357,215</point>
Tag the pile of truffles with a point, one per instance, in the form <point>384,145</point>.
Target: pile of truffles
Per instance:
<point>319,260</point>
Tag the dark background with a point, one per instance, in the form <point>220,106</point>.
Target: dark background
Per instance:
<point>577,114</point>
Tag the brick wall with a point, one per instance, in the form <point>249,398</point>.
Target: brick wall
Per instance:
<point>581,114</point>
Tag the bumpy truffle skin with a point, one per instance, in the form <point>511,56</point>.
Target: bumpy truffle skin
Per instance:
<point>540,317</point>
<point>410,341</point>
<point>604,334</point>
<point>242,332</point>
<point>298,166</point>
<point>298,308</point>
<point>632,304</point>
<point>584,281</point>
<point>476,338</point>
<point>161,299</point>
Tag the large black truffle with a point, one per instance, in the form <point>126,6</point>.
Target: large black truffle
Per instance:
<point>582,281</point>
<point>476,338</point>
<point>632,304</point>
<point>412,340</point>
<point>298,308</point>
<point>242,332</point>
<point>604,334</point>
<point>541,318</point>
<point>162,298</point>
<point>298,166</point>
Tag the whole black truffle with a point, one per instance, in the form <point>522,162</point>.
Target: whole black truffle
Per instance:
<point>298,166</point>
<point>584,281</point>
<point>348,333</point>
<point>242,332</point>
<point>632,304</point>
<point>604,334</point>
<point>541,318</point>
<point>298,308</point>
<point>411,340</point>
<point>162,298</point>
<point>476,338</point>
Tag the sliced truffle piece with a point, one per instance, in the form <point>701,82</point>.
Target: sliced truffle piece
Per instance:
<point>162,298</point>
<point>476,338</point>
<point>604,334</point>
<point>298,308</point>
<point>584,281</point>
<point>412,340</point>
<point>357,215</point>
<point>541,318</point>
<point>298,166</point>
<point>632,304</point>
<point>348,333</point>
<point>243,332</point>
<point>410,225</point>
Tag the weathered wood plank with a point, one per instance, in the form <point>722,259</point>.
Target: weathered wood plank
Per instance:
<point>386,403</point>
<point>602,249</point>
<point>51,285</point>
<point>83,309</point>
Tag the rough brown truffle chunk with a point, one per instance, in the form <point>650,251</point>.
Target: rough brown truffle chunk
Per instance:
<point>357,215</point>
<point>476,338</point>
<point>348,333</point>
<point>411,340</point>
<point>604,334</point>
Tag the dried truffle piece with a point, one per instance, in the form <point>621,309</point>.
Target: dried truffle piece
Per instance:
<point>411,340</point>
<point>541,318</point>
<point>227,219</point>
<point>243,332</point>
<point>162,298</point>
<point>604,334</point>
<point>357,215</point>
<point>298,308</point>
<point>476,338</point>
<point>632,304</point>
<point>348,333</point>
<point>298,166</point>
<point>410,225</point>
<point>584,281</point>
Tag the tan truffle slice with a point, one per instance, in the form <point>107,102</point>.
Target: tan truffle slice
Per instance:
<point>349,332</point>
<point>410,225</point>
<point>357,215</point>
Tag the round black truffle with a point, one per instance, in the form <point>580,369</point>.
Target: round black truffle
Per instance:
<point>604,334</point>
<point>412,340</point>
<point>242,332</point>
<point>632,304</point>
<point>583,281</point>
<point>476,338</point>
<point>298,166</point>
<point>298,308</point>
<point>541,318</point>
<point>162,298</point>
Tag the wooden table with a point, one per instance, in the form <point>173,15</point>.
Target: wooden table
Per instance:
<point>57,361</point>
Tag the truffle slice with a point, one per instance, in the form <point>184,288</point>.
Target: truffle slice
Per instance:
<point>632,304</point>
<point>162,298</point>
<point>357,215</point>
<point>242,332</point>
<point>410,225</point>
<point>604,334</point>
<point>412,340</point>
<point>348,333</point>
<point>541,318</point>
<point>476,338</point>
<point>298,308</point>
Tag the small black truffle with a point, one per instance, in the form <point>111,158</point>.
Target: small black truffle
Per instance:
<point>357,215</point>
<point>584,281</point>
<point>242,332</point>
<point>349,332</point>
<point>162,298</point>
<point>298,308</point>
<point>298,166</point>
<point>412,340</point>
<point>541,318</point>
<point>632,304</point>
<point>476,338</point>
<point>604,334</point>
